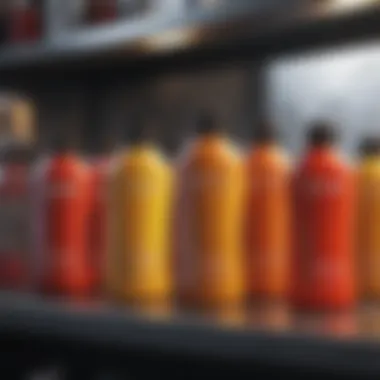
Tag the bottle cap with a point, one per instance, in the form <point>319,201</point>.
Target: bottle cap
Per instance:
<point>322,133</point>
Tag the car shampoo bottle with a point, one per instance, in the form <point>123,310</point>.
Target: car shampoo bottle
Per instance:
<point>64,207</point>
<point>140,212</point>
<point>323,227</point>
<point>209,242</point>
<point>267,219</point>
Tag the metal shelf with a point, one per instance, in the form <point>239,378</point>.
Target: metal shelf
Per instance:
<point>133,37</point>
<point>271,336</point>
<point>271,25</point>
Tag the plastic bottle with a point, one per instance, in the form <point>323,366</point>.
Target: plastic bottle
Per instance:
<point>369,219</point>
<point>268,217</point>
<point>25,20</point>
<point>99,11</point>
<point>64,213</point>
<point>209,248</point>
<point>324,208</point>
<point>140,213</point>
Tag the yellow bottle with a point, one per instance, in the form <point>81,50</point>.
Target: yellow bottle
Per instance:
<point>210,247</point>
<point>369,220</point>
<point>140,201</point>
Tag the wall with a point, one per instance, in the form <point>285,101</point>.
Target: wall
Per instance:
<point>340,85</point>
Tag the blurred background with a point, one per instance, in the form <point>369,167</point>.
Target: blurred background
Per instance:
<point>85,67</point>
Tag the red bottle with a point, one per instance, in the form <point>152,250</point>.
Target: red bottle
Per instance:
<point>25,20</point>
<point>64,212</point>
<point>15,258</point>
<point>101,10</point>
<point>324,204</point>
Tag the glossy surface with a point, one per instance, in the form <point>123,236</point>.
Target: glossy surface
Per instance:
<point>323,274</point>
<point>64,214</point>
<point>267,221</point>
<point>210,251</point>
<point>140,212</point>
<point>270,333</point>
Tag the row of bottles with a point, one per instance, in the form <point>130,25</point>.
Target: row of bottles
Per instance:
<point>214,231</point>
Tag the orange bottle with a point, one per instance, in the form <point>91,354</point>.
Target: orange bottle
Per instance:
<point>267,218</point>
<point>65,213</point>
<point>324,204</point>
<point>209,251</point>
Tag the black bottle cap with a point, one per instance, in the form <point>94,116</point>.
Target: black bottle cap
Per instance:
<point>322,133</point>
<point>370,146</point>
<point>206,124</point>
<point>264,133</point>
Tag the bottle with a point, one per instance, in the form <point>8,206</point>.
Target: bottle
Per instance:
<point>25,20</point>
<point>209,250</point>
<point>99,11</point>
<point>324,213</point>
<point>369,219</point>
<point>15,232</point>
<point>64,213</point>
<point>140,212</point>
<point>267,217</point>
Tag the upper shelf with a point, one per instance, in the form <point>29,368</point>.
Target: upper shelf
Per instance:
<point>264,24</point>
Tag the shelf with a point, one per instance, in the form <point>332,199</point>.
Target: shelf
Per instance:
<point>268,335</point>
<point>270,25</point>
<point>134,37</point>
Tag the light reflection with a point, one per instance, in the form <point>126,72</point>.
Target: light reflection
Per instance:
<point>349,4</point>
<point>231,316</point>
<point>170,40</point>
<point>271,316</point>
<point>363,322</point>
<point>155,310</point>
